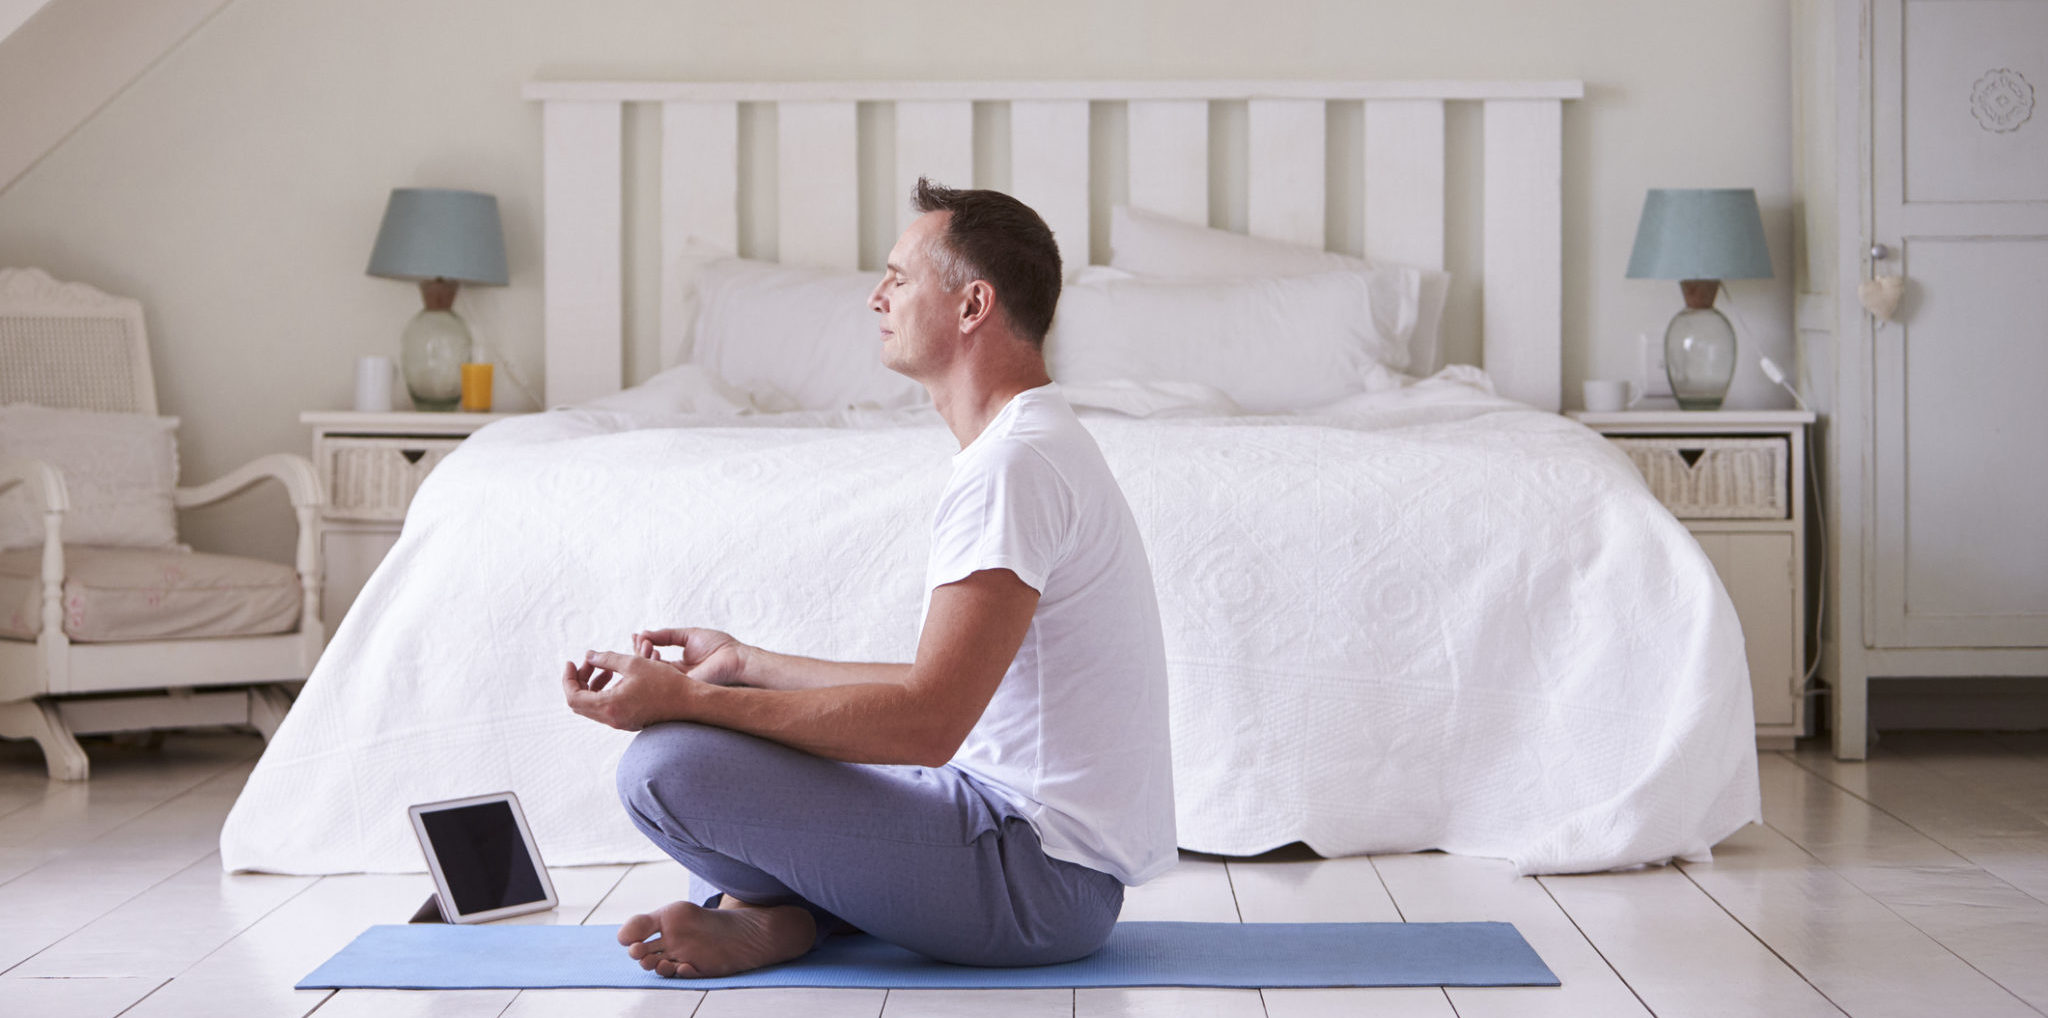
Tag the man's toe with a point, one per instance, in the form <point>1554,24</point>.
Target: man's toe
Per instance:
<point>637,929</point>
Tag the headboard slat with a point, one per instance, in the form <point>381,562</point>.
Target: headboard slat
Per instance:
<point>936,140</point>
<point>583,288</point>
<point>1523,301</point>
<point>1286,164</point>
<point>1049,170</point>
<point>1170,158</point>
<point>817,184</point>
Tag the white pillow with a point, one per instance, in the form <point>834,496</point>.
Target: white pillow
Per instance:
<point>1134,398</point>
<point>120,470</point>
<point>795,338</point>
<point>683,389</point>
<point>1274,344</point>
<point>1149,244</point>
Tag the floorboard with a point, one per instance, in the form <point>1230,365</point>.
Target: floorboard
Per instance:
<point>1985,765</point>
<point>1679,952</point>
<point>1167,1002</point>
<point>1034,1003</point>
<point>783,1003</point>
<point>1857,952</point>
<point>1993,926</point>
<point>188,916</point>
<point>23,776</point>
<point>584,1003</point>
<point>1954,812</point>
<point>73,998</point>
<point>417,1004</point>
<point>75,887</point>
<point>127,782</point>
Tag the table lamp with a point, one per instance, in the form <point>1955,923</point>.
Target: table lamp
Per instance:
<point>1700,236</point>
<point>441,238</point>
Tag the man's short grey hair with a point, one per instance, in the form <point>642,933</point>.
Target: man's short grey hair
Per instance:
<point>953,270</point>
<point>994,237</point>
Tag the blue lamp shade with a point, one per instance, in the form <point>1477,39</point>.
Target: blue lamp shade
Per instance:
<point>436,233</point>
<point>1700,233</point>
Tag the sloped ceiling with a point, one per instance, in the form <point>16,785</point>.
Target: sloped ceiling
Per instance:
<point>65,59</point>
<point>14,12</point>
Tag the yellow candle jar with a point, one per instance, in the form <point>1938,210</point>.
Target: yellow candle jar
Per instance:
<point>476,388</point>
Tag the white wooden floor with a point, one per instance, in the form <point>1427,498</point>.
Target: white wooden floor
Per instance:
<point>1913,885</point>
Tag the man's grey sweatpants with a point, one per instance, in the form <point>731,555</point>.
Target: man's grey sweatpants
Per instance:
<point>922,857</point>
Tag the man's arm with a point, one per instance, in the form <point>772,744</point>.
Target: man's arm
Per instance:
<point>971,634</point>
<point>766,669</point>
<point>715,657</point>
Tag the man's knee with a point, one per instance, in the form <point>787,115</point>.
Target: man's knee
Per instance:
<point>676,763</point>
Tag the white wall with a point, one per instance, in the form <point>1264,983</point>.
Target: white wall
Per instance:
<point>61,62</point>
<point>236,187</point>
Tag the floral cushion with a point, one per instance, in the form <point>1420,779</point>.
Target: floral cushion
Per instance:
<point>120,470</point>
<point>114,595</point>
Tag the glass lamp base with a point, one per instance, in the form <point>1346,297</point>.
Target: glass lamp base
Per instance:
<point>1699,358</point>
<point>435,345</point>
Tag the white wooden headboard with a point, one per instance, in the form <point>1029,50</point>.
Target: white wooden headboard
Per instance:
<point>818,165</point>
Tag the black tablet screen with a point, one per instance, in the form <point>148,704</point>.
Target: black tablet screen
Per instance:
<point>482,856</point>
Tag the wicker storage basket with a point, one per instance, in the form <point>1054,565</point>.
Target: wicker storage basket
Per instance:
<point>374,478</point>
<point>1714,477</point>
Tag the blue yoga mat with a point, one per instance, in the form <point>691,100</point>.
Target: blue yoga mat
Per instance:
<point>439,957</point>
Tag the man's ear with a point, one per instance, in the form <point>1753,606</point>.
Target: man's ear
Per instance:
<point>978,306</point>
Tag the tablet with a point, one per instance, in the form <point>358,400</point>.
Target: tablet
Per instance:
<point>482,857</point>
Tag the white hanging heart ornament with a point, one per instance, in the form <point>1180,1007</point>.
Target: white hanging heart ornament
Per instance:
<point>1880,296</point>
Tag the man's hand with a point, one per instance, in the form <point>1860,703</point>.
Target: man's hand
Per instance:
<point>627,692</point>
<point>708,655</point>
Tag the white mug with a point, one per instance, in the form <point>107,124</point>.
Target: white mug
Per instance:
<point>1607,396</point>
<point>373,384</point>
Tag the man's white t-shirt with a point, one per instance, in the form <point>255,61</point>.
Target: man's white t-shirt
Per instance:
<point>1077,732</point>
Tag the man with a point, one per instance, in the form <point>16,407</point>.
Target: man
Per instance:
<point>987,803</point>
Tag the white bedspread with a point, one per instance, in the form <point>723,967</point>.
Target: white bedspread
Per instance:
<point>1427,619</point>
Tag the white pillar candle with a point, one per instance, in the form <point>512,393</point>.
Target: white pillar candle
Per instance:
<point>373,384</point>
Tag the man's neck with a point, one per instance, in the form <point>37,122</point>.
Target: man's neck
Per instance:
<point>969,403</point>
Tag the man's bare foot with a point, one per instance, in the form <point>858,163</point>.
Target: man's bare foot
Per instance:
<point>698,942</point>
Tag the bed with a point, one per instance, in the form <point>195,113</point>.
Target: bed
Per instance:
<point>1426,613</point>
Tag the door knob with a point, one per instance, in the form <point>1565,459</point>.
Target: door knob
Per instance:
<point>1879,252</point>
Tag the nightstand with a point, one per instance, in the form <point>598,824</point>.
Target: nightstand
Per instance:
<point>370,465</point>
<point>1737,480</point>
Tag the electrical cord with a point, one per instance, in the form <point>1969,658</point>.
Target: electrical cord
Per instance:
<point>1820,517</point>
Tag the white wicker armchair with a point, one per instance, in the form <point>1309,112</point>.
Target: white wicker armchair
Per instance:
<point>69,345</point>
